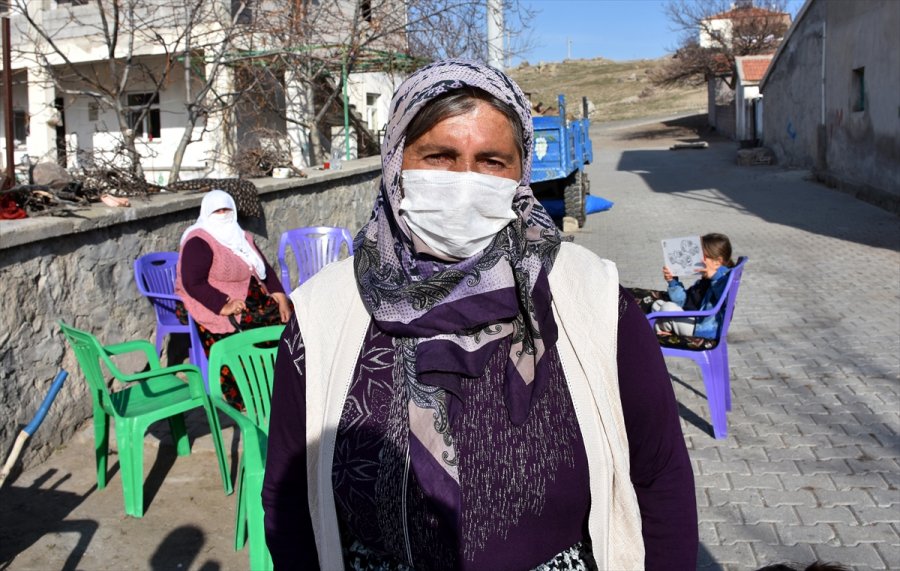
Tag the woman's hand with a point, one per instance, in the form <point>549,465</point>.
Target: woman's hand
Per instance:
<point>284,308</point>
<point>667,274</point>
<point>233,307</point>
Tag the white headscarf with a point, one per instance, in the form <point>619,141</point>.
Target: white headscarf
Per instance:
<point>226,230</point>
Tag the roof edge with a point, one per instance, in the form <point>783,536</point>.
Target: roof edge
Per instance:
<point>800,15</point>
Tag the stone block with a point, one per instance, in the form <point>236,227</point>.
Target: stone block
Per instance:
<point>815,516</point>
<point>862,556</point>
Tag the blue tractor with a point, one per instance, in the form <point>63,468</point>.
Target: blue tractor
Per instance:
<point>561,151</point>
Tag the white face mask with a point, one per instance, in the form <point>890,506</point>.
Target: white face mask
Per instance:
<point>223,217</point>
<point>456,214</point>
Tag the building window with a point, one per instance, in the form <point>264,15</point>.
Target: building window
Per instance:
<point>372,110</point>
<point>20,125</point>
<point>858,89</point>
<point>246,8</point>
<point>365,10</point>
<point>72,2</point>
<point>143,115</point>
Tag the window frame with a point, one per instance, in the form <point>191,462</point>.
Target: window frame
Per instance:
<point>858,90</point>
<point>147,111</point>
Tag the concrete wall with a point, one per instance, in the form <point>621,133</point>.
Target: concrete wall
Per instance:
<point>793,93</point>
<point>80,269</point>
<point>863,147</point>
<point>859,150</point>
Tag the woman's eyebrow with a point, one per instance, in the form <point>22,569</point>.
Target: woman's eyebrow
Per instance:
<point>428,148</point>
<point>492,154</point>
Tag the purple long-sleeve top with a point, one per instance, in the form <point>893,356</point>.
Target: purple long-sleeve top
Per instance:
<point>660,467</point>
<point>198,258</point>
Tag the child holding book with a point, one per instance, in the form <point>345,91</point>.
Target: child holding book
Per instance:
<point>703,295</point>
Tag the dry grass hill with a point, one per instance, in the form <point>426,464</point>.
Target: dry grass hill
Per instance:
<point>617,89</point>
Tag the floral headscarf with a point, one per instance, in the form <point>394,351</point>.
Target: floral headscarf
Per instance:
<point>449,316</point>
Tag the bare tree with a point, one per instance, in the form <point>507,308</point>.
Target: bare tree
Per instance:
<point>212,52</point>
<point>139,43</point>
<point>315,46</point>
<point>715,32</point>
<point>289,60</point>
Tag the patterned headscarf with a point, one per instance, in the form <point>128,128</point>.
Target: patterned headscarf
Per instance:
<point>451,315</point>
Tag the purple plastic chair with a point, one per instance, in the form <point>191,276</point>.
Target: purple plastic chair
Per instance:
<point>713,361</point>
<point>154,275</point>
<point>314,248</point>
<point>198,357</point>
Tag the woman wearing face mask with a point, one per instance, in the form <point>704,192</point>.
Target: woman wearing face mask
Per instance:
<point>469,392</point>
<point>224,281</point>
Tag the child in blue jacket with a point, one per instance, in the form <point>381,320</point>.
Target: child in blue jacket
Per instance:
<point>703,295</point>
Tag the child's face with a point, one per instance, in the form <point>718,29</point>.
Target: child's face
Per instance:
<point>710,266</point>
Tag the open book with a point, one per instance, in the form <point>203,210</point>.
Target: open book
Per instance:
<point>684,256</point>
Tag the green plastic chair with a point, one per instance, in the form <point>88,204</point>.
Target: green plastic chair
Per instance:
<point>250,356</point>
<point>155,395</point>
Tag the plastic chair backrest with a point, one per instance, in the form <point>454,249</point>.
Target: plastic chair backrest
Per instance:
<point>88,353</point>
<point>314,247</point>
<point>250,356</point>
<point>731,287</point>
<point>154,274</point>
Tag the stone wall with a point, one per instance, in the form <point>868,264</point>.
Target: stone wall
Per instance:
<point>80,269</point>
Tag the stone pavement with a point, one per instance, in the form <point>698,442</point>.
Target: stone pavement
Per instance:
<point>810,467</point>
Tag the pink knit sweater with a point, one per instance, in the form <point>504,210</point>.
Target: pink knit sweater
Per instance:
<point>228,274</point>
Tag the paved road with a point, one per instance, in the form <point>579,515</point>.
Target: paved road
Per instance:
<point>810,468</point>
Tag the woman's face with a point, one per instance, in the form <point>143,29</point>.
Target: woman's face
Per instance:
<point>479,141</point>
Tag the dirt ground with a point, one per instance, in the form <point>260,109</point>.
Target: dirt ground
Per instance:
<point>53,517</point>
<point>657,132</point>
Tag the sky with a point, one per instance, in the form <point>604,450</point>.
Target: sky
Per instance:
<point>613,29</point>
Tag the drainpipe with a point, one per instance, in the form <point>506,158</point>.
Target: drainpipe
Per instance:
<point>823,74</point>
<point>346,110</point>
<point>821,159</point>
<point>10,180</point>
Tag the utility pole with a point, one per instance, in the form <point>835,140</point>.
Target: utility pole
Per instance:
<point>568,48</point>
<point>495,33</point>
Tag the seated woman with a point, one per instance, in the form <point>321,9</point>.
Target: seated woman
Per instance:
<point>225,282</point>
<point>703,295</point>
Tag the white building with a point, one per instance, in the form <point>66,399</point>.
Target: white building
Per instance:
<point>60,116</point>
<point>747,99</point>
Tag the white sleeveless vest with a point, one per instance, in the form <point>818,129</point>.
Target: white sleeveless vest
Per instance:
<point>333,322</point>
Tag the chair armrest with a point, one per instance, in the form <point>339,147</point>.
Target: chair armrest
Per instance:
<point>192,373</point>
<point>133,346</point>
<point>652,317</point>
<point>254,439</point>
<point>665,314</point>
<point>169,296</point>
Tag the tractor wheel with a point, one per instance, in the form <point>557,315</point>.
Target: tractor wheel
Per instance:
<point>574,196</point>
